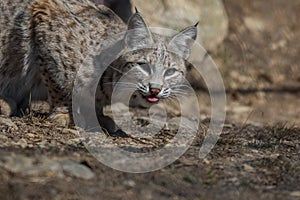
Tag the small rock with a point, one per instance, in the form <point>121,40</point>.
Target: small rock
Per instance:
<point>233,179</point>
<point>45,167</point>
<point>129,183</point>
<point>42,144</point>
<point>248,168</point>
<point>77,170</point>
<point>206,161</point>
<point>76,141</point>
<point>241,109</point>
<point>30,135</point>
<point>7,122</point>
<point>16,163</point>
<point>147,193</point>
<point>68,131</point>
<point>279,44</point>
<point>254,24</point>
<point>295,194</point>
<point>3,138</point>
<point>22,142</point>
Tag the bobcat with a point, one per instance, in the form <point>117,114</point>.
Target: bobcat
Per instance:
<point>45,42</point>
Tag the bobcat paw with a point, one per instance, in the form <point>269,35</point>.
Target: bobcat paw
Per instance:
<point>119,133</point>
<point>109,126</point>
<point>61,119</point>
<point>8,107</point>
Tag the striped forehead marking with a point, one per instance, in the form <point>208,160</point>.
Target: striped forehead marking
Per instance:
<point>161,53</point>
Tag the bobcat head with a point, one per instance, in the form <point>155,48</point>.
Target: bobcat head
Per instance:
<point>156,63</point>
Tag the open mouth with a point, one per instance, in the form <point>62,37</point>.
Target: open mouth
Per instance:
<point>152,99</point>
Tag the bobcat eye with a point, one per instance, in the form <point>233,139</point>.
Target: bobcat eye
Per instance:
<point>145,67</point>
<point>170,72</point>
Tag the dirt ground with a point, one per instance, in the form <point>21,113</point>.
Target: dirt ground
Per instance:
<point>256,156</point>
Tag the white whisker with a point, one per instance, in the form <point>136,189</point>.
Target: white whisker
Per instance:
<point>118,70</point>
<point>181,86</point>
<point>125,83</point>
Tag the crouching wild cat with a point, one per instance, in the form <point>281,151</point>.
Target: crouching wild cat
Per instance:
<point>45,42</point>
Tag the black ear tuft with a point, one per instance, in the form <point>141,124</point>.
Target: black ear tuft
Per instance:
<point>182,42</point>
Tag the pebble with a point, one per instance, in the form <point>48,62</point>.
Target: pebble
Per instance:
<point>15,163</point>
<point>254,24</point>
<point>248,168</point>
<point>241,109</point>
<point>129,183</point>
<point>68,131</point>
<point>46,167</point>
<point>295,193</point>
<point>77,170</point>
<point>147,194</point>
<point>30,135</point>
<point>23,143</point>
<point>42,144</point>
<point>206,161</point>
<point>28,166</point>
<point>3,138</point>
<point>76,141</point>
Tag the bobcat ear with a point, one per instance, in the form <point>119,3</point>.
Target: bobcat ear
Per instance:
<point>182,42</point>
<point>138,34</point>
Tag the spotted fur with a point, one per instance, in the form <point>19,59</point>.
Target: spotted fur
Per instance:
<point>44,43</point>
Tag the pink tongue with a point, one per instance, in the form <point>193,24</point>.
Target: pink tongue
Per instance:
<point>152,99</point>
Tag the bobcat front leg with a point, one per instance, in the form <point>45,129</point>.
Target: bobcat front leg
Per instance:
<point>59,95</point>
<point>60,108</point>
<point>107,123</point>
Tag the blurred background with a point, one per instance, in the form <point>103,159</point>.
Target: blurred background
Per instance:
<point>256,45</point>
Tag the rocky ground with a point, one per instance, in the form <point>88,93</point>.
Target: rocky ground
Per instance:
<point>256,156</point>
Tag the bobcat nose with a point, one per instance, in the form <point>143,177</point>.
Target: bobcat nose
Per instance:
<point>154,89</point>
